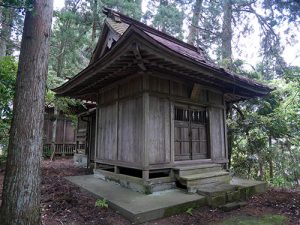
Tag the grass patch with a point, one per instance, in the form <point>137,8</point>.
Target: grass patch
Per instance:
<point>265,220</point>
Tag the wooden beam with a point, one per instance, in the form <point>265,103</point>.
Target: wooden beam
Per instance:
<point>196,91</point>
<point>138,56</point>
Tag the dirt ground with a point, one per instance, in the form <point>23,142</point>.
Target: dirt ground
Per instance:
<point>65,204</point>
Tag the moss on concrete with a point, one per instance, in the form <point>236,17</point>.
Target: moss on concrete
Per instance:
<point>265,220</point>
<point>181,208</point>
<point>233,196</point>
<point>217,201</point>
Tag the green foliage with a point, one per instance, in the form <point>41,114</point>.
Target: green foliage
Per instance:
<point>8,71</point>
<point>132,8</point>
<point>264,220</point>
<point>266,136</point>
<point>190,211</point>
<point>47,152</point>
<point>167,17</point>
<point>20,4</point>
<point>102,203</point>
<point>71,39</point>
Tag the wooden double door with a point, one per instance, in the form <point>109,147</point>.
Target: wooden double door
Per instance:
<point>190,136</point>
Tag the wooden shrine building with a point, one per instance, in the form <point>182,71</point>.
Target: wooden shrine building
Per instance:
<point>160,102</point>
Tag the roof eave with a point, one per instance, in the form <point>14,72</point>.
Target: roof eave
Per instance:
<point>64,90</point>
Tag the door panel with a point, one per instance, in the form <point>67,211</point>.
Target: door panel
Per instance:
<point>182,141</point>
<point>190,133</point>
<point>199,147</point>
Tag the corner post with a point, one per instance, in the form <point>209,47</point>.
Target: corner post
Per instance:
<point>145,136</point>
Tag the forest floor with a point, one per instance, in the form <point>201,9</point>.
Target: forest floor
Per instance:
<point>65,204</point>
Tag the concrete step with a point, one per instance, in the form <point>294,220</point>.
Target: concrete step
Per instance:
<point>196,169</point>
<point>229,195</point>
<point>249,187</point>
<point>232,206</point>
<point>220,194</point>
<point>194,181</point>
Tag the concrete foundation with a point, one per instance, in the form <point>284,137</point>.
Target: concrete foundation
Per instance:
<point>80,159</point>
<point>135,183</point>
<point>135,206</point>
<point>139,207</point>
<point>142,200</point>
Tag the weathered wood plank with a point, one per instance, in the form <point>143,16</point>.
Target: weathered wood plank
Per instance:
<point>217,140</point>
<point>159,133</point>
<point>108,132</point>
<point>130,130</point>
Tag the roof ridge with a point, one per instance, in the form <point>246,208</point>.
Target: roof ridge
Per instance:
<point>119,17</point>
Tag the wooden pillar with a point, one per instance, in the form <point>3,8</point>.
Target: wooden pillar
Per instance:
<point>145,136</point>
<point>225,132</point>
<point>53,135</point>
<point>64,136</point>
<point>96,130</point>
<point>116,169</point>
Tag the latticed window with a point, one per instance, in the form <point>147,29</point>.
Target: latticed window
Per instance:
<point>193,115</point>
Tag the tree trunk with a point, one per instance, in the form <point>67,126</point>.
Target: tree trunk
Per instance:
<point>7,24</point>
<point>95,19</point>
<point>193,31</point>
<point>270,161</point>
<point>21,189</point>
<point>227,34</point>
<point>261,168</point>
<point>53,136</point>
<point>226,48</point>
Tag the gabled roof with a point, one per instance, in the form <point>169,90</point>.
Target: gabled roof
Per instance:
<point>119,23</point>
<point>139,47</point>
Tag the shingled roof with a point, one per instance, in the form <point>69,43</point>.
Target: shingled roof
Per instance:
<point>140,47</point>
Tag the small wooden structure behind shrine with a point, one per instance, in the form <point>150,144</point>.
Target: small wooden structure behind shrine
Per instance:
<point>65,137</point>
<point>160,103</point>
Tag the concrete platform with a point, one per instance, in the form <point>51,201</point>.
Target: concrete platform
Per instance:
<point>249,188</point>
<point>138,207</point>
<point>220,194</point>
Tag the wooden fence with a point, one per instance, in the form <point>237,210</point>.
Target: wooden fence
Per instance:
<point>60,148</point>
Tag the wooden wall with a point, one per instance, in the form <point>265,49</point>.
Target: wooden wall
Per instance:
<point>130,127</point>
<point>159,140</point>
<point>217,135</point>
<point>120,123</point>
<point>125,130</point>
<point>65,131</point>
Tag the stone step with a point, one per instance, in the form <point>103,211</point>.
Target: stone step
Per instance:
<point>194,181</point>
<point>196,169</point>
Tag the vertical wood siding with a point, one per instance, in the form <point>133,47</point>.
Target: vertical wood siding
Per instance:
<point>130,130</point>
<point>107,135</point>
<point>159,130</point>
<point>217,137</point>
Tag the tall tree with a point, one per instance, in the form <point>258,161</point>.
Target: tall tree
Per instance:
<point>166,16</point>
<point>226,34</point>
<point>21,190</point>
<point>70,55</point>
<point>94,4</point>
<point>193,28</point>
